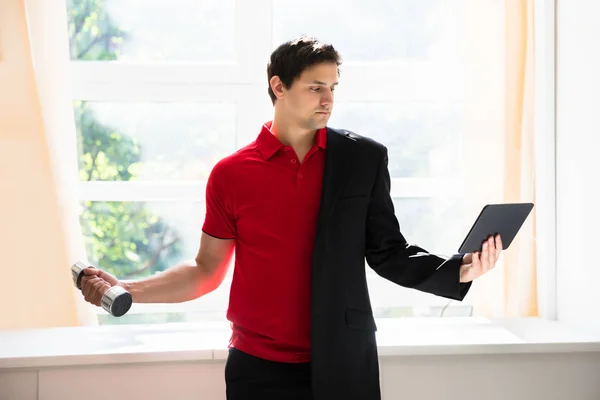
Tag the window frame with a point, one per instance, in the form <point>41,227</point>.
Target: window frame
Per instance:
<point>244,82</point>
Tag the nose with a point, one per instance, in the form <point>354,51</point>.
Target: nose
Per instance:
<point>327,98</point>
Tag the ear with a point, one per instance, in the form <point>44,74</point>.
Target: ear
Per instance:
<point>277,87</point>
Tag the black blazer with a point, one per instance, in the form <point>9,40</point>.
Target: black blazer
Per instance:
<point>357,221</point>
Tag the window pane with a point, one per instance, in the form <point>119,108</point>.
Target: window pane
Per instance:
<point>152,141</point>
<point>151,30</point>
<point>422,139</point>
<point>377,30</point>
<point>434,223</point>
<point>136,239</point>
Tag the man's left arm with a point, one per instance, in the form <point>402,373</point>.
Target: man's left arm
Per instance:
<point>390,256</point>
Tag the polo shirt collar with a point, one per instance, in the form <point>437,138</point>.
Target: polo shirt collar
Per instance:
<point>268,144</point>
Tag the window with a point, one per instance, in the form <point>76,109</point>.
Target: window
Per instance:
<point>162,90</point>
<point>152,30</point>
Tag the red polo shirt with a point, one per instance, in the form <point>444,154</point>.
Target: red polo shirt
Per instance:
<point>265,198</point>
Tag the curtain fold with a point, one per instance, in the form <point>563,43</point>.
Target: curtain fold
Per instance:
<point>520,278</point>
<point>40,232</point>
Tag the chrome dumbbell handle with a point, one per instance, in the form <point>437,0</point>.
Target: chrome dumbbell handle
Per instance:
<point>116,301</point>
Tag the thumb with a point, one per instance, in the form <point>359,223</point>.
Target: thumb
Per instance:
<point>91,270</point>
<point>467,258</point>
<point>108,277</point>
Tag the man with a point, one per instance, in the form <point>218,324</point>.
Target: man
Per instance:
<point>303,206</point>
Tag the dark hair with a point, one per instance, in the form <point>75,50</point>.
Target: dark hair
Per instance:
<point>291,58</point>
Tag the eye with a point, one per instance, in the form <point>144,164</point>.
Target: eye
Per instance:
<point>315,89</point>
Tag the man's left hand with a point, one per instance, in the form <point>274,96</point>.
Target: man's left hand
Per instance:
<point>476,264</point>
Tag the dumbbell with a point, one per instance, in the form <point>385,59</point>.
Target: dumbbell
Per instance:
<point>116,301</point>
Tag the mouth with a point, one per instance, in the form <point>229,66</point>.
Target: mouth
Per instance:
<point>323,112</point>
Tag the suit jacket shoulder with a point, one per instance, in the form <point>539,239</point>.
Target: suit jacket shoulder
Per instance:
<point>365,144</point>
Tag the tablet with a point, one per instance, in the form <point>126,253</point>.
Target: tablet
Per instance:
<point>505,219</point>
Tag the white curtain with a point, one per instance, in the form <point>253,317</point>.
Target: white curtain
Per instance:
<point>499,159</point>
<point>40,232</point>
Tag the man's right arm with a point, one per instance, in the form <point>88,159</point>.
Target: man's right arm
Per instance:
<point>180,283</point>
<point>188,280</point>
<point>192,279</point>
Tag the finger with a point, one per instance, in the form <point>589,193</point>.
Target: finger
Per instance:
<point>476,262</point>
<point>485,254</point>
<point>85,289</point>
<point>85,282</point>
<point>98,291</point>
<point>93,289</point>
<point>85,285</point>
<point>499,249</point>
<point>493,252</point>
<point>95,295</point>
<point>87,275</point>
<point>89,287</point>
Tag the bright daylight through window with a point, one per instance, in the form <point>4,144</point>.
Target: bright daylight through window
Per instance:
<point>163,89</point>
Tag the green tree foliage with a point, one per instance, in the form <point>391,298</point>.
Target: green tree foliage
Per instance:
<point>124,238</point>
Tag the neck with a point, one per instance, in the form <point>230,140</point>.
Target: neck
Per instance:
<point>298,138</point>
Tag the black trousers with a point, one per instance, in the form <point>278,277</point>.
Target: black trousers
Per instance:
<point>251,378</point>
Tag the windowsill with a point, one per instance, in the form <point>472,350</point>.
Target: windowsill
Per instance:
<point>42,348</point>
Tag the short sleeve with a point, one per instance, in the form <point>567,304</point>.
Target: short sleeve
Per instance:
<point>219,219</point>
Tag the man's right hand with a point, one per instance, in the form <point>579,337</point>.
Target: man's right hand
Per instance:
<point>95,283</point>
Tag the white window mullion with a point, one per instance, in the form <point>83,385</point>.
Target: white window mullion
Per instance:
<point>84,72</point>
<point>195,190</point>
<point>424,187</point>
<point>142,191</point>
<point>157,92</point>
<point>545,157</point>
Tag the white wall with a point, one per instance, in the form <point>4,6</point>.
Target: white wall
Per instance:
<point>578,156</point>
<point>465,377</point>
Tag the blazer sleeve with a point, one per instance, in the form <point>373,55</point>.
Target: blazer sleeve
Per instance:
<point>390,256</point>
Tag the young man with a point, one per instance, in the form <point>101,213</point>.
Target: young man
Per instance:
<point>303,206</point>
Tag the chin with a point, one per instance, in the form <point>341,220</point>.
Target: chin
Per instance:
<point>318,124</point>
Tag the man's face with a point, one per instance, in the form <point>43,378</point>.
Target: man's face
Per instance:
<point>309,100</point>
